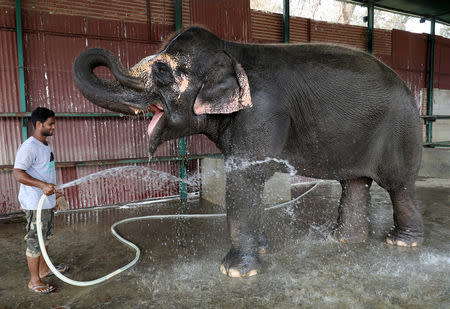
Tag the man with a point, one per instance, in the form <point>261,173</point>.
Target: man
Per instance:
<point>34,169</point>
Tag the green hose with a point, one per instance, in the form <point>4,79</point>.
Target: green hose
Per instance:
<point>123,240</point>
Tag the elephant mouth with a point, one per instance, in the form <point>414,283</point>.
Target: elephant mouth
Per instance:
<point>158,112</point>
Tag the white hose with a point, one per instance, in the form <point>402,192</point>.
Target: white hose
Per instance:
<point>123,240</point>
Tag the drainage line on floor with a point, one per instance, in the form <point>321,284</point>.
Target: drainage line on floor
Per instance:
<point>129,243</point>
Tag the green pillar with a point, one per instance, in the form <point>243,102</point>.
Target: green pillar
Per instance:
<point>23,105</point>
<point>181,141</point>
<point>370,26</point>
<point>286,21</point>
<point>178,15</point>
<point>429,123</point>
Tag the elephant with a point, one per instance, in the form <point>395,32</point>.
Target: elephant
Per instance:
<point>332,112</point>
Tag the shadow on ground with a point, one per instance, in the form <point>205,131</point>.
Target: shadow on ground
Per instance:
<point>179,265</point>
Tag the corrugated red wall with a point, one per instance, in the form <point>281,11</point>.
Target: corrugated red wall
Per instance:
<point>56,31</point>
<point>228,19</point>
<point>403,51</point>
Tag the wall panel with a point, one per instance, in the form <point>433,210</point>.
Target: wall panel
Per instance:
<point>162,19</point>
<point>8,194</point>
<point>382,42</point>
<point>9,76</point>
<point>75,140</point>
<point>200,145</point>
<point>227,19</point>
<point>7,14</point>
<point>340,34</point>
<point>187,15</point>
<point>299,30</point>
<point>266,27</point>
<point>442,63</point>
<point>10,139</point>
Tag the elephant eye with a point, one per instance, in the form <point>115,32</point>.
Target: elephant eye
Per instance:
<point>162,73</point>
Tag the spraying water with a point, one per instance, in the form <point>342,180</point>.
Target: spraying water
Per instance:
<point>149,175</point>
<point>142,173</point>
<point>239,164</point>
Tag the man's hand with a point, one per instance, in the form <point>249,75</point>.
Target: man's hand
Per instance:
<point>48,189</point>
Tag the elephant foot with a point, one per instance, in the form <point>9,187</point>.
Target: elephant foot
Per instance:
<point>401,239</point>
<point>349,235</point>
<point>237,264</point>
<point>263,243</point>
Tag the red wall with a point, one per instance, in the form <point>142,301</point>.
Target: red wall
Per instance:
<point>55,32</point>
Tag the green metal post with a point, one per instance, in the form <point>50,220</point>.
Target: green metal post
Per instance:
<point>178,15</point>
<point>286,21</point>
<point>370,26</point>
<point>23,106</point>
<point>429,123</point>
<point>181,141</point>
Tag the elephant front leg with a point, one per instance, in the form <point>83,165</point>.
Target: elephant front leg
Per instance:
<point>244,217</point>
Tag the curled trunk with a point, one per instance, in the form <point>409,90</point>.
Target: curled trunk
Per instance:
<point>118,95</point>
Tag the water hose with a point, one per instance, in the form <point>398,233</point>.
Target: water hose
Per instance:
<point>126,242</point>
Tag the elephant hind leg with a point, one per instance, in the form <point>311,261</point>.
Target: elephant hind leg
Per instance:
<point>408,225</point>
<point>352,225</point>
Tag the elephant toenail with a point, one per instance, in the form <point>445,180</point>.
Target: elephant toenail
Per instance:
<point>234,273</point>
<point>252,272</point>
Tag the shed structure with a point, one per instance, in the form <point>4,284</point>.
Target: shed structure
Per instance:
<point>41,39</point>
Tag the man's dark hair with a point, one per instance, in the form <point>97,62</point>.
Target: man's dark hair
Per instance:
<point>41,114</point>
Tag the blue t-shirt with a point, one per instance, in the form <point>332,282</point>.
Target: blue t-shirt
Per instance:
<point>36,158</point>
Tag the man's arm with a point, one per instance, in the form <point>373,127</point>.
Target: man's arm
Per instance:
<point>24,178</point>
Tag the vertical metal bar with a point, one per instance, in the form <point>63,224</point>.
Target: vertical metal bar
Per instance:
<point>178,15</point>
<point>429,123</point>
<point>181,141</point>
<point>286,21</point>
<point>23,105</point>
<point>370,26</point>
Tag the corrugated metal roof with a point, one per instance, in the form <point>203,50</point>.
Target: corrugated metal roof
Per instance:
<point>437,9</point>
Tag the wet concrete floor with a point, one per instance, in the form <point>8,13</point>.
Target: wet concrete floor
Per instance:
<point>179,265</point>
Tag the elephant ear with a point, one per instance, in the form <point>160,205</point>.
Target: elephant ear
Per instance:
<point>225,89</point>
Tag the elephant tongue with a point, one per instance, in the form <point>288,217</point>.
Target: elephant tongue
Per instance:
<point>157,114</point>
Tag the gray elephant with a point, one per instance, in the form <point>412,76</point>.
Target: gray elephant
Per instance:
<point>331,112</point>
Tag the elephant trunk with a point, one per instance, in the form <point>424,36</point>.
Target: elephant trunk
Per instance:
<point>124,95</point>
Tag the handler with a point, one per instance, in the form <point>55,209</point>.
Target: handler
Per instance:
<point>34,169</point>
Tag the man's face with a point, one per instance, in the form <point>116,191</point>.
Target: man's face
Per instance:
<point>48,127</point>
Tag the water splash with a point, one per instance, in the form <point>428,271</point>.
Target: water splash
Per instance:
<point>433,259</point>
<point>240,164</point>
<point>142,173</point>
<point>147,174</point>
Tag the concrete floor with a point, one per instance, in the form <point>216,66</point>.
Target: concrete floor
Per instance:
<point>179,266</point>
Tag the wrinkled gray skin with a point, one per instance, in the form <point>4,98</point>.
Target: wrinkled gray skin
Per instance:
<point>332,112</point>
